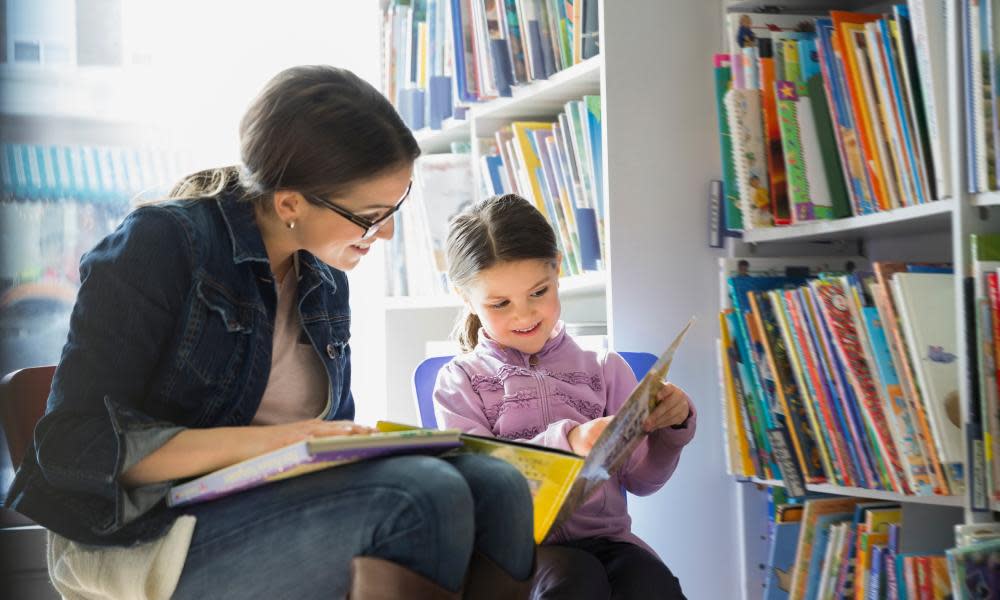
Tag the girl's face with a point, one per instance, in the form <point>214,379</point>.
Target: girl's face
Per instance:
<point>517,302</point>
<point>337,241</point>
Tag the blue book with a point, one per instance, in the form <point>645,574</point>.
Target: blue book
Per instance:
<point>494,170</point>
<point>464,78</point>
<point>537,57</point>
<point>411,107</point>
<point>503,71</point>
<point>835,78</point>
<point>781,560</point>
<point>821,538</point>
<point>889,563</point>
<point>438,100</point>
<point>873,590</point>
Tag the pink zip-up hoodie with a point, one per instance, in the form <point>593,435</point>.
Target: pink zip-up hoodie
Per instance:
<point>501,392</point>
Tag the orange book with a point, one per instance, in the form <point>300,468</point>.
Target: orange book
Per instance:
<point>842,22</point>
<point>883,273</point>
<point>772,141</point>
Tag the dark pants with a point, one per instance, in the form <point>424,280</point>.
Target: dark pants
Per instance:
<point>599,569</point>
<point>296,538</point>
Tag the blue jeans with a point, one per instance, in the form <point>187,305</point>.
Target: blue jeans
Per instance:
<point>296,538</point>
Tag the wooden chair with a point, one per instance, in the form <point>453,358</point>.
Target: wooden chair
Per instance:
<point>23,395</point>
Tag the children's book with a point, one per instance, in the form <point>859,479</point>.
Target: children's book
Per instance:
<point>975,570</point>
<point>622,434</point>
<point>922,298</point>
<point>813,511</point>
<point>308,456</point>
<point>781,559</point>
<point>822,534</point>
<point>561,481</point>
<point>743,109</point>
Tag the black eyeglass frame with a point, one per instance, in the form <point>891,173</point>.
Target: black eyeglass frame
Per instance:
<point>369,226</point>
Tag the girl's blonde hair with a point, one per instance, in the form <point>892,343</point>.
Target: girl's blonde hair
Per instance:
<point>499,229</point>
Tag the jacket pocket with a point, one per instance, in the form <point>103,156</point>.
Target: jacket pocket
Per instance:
<point>217,335</point>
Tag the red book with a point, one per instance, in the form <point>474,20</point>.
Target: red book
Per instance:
<point>833,303</point>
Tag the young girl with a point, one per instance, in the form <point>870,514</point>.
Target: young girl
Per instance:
<point>523,378</point>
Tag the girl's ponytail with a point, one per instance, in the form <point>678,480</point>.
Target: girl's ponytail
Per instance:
<point>467,331</point>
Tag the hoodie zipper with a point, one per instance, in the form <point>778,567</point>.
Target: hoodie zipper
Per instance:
<point>543,400</point>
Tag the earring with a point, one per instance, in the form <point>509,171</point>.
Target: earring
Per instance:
<point>291,224</point>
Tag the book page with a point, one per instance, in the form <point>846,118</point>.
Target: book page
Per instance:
<point>622,434</point>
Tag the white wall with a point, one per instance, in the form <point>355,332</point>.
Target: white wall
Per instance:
<point>662,150</point>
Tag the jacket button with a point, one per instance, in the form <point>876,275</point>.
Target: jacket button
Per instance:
<point>331,351</point>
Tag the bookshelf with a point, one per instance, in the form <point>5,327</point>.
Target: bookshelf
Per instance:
<point>656,103</point>
<point>937,231</point>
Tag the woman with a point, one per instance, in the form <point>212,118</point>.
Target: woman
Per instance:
<point>215,327</point>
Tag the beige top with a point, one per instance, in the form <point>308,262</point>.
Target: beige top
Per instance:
<point>298,387</point>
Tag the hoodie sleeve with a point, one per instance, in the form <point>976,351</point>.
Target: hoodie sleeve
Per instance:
<point>653,461</point>
<point>458,406</point>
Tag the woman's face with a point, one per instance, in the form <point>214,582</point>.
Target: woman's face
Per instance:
<point>337,241</point>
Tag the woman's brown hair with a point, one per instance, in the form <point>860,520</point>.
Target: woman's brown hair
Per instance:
<point>497,230</point>
<point>315,129</point>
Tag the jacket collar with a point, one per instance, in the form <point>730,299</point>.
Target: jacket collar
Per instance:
<point>555,341</point>
<point>247,243</point>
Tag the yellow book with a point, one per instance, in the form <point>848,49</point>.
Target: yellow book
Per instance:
<point>561,481</point>
<point>529,163</point>
<point>739,446</point>
<point>734,395</point>
<point>550,473</point>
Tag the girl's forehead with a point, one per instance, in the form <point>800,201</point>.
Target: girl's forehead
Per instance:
<point>512,276</point>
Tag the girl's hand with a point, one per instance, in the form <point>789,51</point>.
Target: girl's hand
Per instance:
<point>271,437</point>
<point>582,437</point>
<point>671,409</point>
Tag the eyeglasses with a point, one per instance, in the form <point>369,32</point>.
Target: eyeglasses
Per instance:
<point>370,226</point>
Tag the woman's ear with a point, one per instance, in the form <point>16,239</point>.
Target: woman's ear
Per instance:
<point>288,206</point>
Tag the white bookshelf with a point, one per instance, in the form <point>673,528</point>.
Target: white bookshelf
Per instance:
<point>937,230</point>
<point>911,220</point>
<point>433,141</point>
<point>823,488</point>
<point>986,199</point>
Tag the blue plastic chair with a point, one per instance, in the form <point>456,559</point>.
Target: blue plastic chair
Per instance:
<point>426,374</point>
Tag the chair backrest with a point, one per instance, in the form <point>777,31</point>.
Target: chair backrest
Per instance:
<point>426,374</point>
<point>23,395</point>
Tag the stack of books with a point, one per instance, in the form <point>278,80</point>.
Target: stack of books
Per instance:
<point>851,548</point>
<point>824,116</point>
<point>440,56</point>
<point>837,374</point>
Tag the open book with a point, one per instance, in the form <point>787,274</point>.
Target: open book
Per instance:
<point>561,481</point>
<point>308,456</point>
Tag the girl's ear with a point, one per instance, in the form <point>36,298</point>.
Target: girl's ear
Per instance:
<point>465,298</point>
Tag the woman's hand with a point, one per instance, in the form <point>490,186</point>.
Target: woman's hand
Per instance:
<point>672,408</point>
<point>271,437</point>
<point>582,437</point>
<point>194,452</point>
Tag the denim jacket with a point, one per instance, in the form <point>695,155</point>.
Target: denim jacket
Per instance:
<point>172,329</point>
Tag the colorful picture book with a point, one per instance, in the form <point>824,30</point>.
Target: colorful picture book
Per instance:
<point>308,456</point>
